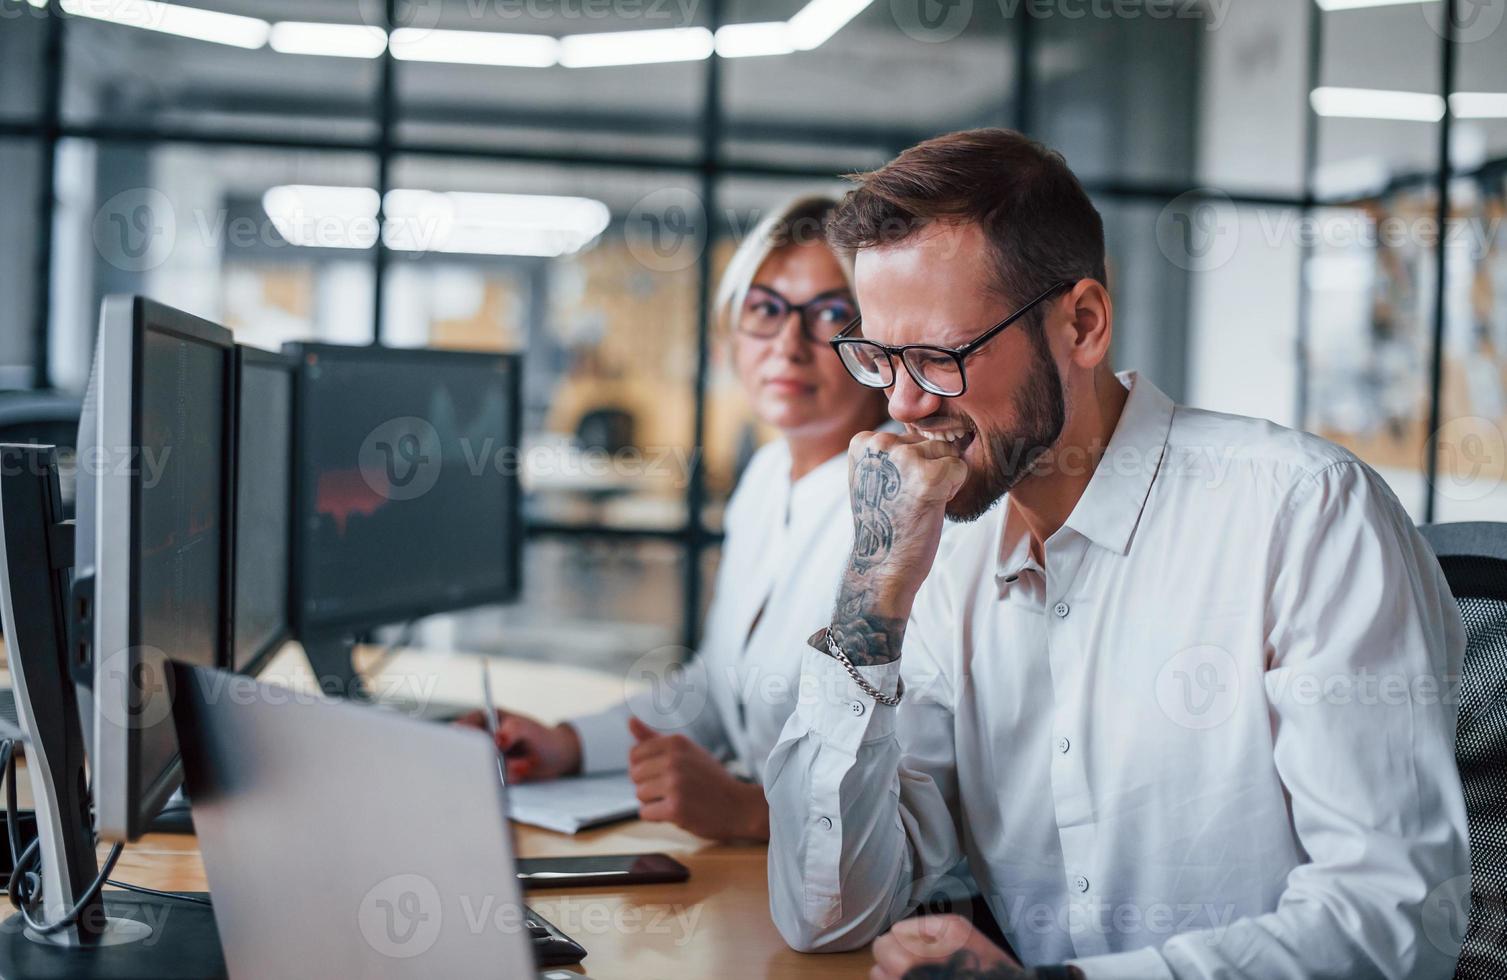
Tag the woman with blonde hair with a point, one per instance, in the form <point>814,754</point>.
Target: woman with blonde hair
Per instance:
<point>696,749</point>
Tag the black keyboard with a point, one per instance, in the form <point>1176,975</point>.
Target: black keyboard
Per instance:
<point>551,946</point>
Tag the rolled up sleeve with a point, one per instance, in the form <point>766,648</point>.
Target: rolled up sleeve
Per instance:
<point>857,826</point>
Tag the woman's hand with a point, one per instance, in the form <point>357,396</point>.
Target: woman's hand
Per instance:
<point>532,750</point>
<point>930,941</point>
<point>680,782</point>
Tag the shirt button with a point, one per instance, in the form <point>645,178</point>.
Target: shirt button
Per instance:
<point>1079,882</point>
<point>856,709</point>
<point>1063,744</point>
<point>1061,609</point>
<point>825,823</point>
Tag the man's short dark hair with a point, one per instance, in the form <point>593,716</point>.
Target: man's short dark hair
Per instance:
<point>1034,213</point>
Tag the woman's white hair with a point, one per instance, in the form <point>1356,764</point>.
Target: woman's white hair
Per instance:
<point>798,222</point>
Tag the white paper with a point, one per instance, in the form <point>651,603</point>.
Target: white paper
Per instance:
<point>573,804</point>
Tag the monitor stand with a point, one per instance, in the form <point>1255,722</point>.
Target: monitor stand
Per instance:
<point>111,937</point>
<point>331,658</point>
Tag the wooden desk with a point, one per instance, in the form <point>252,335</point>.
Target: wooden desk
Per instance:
<point>714,925</point>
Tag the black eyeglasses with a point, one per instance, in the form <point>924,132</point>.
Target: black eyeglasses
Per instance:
<point>938,370</point>
<point>765,313</point>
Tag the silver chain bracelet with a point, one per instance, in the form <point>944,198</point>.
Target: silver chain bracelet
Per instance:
<point>836,651</point>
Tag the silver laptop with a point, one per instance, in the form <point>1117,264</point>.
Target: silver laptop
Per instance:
<point>346,841</point>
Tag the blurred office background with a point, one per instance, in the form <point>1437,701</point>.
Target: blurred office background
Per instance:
<point>565,178</point>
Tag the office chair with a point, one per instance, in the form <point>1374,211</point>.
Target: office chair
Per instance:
<point>39,417</point>
<point>1474,559</point>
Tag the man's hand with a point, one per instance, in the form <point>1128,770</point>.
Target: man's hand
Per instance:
<point>930,941</point>
<point>680,782</point>
<point>532,750</point>
<point>900,486</point>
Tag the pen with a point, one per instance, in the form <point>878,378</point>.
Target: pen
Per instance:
<point>490,710</point>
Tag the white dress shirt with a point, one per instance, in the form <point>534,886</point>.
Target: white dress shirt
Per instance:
<point>1210,735</point>
<point>784,551</point>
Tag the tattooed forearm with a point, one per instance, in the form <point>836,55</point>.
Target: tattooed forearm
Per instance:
<point>876,482</point>
<point>865,637</point>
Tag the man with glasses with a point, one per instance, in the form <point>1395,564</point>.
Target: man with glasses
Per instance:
<point>1176,684</point>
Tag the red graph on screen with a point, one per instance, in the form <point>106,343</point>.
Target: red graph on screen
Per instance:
<point>341,493</point>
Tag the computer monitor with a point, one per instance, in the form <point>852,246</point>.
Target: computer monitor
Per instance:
<point>153,548</point>
<point>406,489</point>
<point>263,532</point>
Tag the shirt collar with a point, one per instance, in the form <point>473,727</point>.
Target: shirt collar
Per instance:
<point>1111,505</point>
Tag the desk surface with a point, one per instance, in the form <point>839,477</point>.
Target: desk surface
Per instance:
<point>714,925</point>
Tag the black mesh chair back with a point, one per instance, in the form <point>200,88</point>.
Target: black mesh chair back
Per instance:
<point>1474,559</point>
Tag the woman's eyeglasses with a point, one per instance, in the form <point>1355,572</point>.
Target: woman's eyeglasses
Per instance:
<point>938,370</point>
<point>765,313</point>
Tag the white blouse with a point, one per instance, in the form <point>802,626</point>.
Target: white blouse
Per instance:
<point>783,553</point>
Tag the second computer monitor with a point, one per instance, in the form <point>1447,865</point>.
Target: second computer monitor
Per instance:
<point>407,498</point>
<point>152,543</point>
<point>263,530</point>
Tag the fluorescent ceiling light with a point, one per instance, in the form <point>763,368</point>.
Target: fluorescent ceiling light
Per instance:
<point>820,19</point>
<point>475,48</point>
<point>752,40</point>
<point>1328,5</point>
<point>330,40</point>
<point>491,224</point>
<point>326,217</point>
<point>172,18</point>
<point>635,47</point>
<point>1479,105</point>
<point>430,221</point>
<point>1368,103</point>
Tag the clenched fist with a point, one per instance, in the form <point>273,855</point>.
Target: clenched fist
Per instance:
<point>900,486</point>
